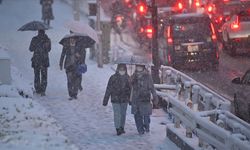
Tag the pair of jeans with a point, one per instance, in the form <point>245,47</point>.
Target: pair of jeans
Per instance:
<point>40,80</point>
<point>73,83</point>
<point>120,110</point>
<point>142,122</point>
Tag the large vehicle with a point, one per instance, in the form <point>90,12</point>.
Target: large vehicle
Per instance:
<point>236,33</point>
<point>189,40</point>
<point>242,96</point>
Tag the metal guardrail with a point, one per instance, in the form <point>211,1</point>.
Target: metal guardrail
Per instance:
<point>202,112</point>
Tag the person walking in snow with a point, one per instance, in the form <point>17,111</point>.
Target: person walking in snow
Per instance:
<point>40,46</point>
<point>80,60</point>
<point>69,58</point>
<point>141,107</point>
<point>118,89</point>
<point>47,13</point>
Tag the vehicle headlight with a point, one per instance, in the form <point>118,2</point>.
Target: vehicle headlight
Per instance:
<point>178,47</point>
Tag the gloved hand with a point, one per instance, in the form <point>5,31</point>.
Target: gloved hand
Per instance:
<point>155,104</point>
<point>104,104</point>
<point>61,67</point>
<point>129,103</point>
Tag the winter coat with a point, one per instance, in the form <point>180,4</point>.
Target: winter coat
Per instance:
<point>118,88</point>
<point>142,88</point>
<point>47,9</point>
<point>68,57</point>
<point>82,53</point>
<point>40,45</point>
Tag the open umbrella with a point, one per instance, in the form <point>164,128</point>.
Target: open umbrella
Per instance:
<point>83,28</point>
<point>83,39</point>
<point>134,60</point>
<point>34,26</point>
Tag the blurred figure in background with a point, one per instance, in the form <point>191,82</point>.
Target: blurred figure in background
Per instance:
<point>47,13</point>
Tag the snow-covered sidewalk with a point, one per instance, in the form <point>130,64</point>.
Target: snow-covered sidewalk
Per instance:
<point>24,123</point>
<point>85,122</point>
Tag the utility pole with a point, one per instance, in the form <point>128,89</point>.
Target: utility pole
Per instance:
<point>154,48</point>
<point>76,9</point>
<point>99,32</point>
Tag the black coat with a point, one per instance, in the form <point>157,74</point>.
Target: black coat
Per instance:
<point>118,88</point>
<point>40,45</point>
<point>47,12</point>
<point>72,56</point>
<point>143,87</point>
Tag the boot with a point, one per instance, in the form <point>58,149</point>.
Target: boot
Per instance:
<point>122,130</point>
<point>118,131</point>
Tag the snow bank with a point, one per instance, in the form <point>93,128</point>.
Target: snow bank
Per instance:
<point>24,123</point>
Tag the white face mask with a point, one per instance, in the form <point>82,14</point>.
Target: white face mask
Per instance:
<point>139,68</point>
<point>122,72</point>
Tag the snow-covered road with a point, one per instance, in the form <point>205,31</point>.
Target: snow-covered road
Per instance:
<point>85,121</point>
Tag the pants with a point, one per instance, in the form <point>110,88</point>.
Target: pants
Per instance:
<point>120,110</point>
<point>142,122</point>
<point>40,81</point>
<point>73,83</point>
<point>79,82</point>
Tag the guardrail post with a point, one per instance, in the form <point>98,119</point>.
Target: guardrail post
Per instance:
<point>168,78</point>
<point>189,132</point>
<point>195,97</point>
<point>187,95</point>
<point>177,122</point>
<point>207,99</point>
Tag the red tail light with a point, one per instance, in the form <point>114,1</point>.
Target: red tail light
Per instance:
<point>141,30</point>
<point>142,8</point>
<point>180,6</point>
<point>210,9</point>
<point>170,41</point>
<point>197,3</point>
<point>118,18</point>
<point>235,25</point>
<point>220,18</point>
<point>149,31</point>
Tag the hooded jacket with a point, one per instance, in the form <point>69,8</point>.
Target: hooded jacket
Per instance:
<point>118,89</point>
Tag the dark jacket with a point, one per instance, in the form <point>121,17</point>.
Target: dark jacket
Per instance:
<point>40,45</point>
<point>82,53</point>
<point>118,88</point>
<point>68,58</point>
<point>142,88</point>
<point>47,12</point>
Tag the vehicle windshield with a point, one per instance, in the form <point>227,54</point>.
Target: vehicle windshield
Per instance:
<point>168,3</point>
<point>244,16</point>
<point>195,31</point>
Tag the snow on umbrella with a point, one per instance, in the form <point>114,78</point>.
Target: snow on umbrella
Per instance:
<point>34,26</point>
<point>83,28</point>
<point>83,39</point>
<point>134,60</point>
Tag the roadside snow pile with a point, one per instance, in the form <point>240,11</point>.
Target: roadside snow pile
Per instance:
<point>24,123</point>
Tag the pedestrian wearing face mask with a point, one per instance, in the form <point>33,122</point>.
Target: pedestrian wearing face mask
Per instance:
<point>118,89</point>
<point>142,88</point>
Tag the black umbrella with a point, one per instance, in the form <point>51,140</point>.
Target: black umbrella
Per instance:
<point>84,40</point>
<point>34,26</point>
